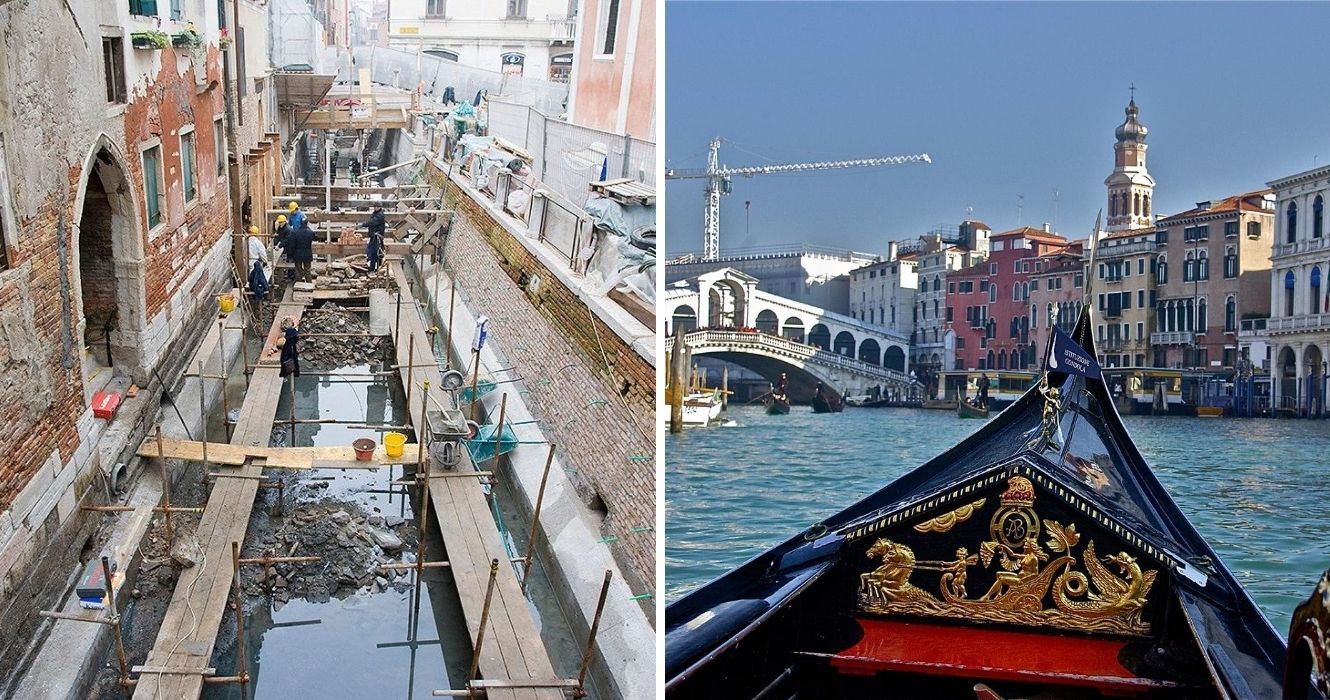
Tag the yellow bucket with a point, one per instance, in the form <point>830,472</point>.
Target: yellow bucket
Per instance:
<point>392,444</point>
<point>226,303</point>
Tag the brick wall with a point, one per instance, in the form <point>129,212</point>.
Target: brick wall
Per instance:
<point>601,418</point>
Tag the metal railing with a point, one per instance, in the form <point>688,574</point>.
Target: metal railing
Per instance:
<point>798,351</point>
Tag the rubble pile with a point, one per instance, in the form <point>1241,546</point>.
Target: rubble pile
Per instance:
<point>352,545</point>
<point>356,347</point>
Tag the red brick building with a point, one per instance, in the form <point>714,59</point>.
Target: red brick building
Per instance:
<point>990,302</point>
<point>1057,287</point>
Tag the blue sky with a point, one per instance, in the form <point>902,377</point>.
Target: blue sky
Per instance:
<point>1008,99</point>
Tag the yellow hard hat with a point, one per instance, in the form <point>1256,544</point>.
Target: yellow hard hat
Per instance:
<point>281,218</point>
<point>292,206</point>
<point>254,229</point>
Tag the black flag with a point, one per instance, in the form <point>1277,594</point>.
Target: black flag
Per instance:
<point>1068,357</point>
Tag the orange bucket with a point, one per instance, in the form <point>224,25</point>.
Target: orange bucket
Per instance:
<point>364,448</point>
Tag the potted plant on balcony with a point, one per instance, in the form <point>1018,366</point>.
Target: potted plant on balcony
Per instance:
<point>187,39</point>
<point>151,40</point>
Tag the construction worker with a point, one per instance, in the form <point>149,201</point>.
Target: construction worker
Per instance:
<point>300,250</point>
<point>297,216</point>
<point>258,261</point>
<point>374,247</point>
<point>280,229</point>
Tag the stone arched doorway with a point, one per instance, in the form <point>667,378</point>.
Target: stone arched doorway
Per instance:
<point>109,273</point>
<point>1314,374</point>
<point>683,317</point>
<point>819,336</point>
<point>870,352</point>
<point>894,358</point>
<point>1288,378</point>
<point>844,344</point>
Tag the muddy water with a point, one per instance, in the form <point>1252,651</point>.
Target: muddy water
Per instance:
<point>371,644</point>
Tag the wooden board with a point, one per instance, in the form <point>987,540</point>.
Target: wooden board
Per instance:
<point>276,457</point>
<point>513,649</point>
<point>188,632</point>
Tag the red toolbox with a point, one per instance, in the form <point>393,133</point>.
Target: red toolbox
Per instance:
<point>105,404</point>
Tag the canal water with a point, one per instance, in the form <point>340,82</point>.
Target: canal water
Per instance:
<point>1254,488</point>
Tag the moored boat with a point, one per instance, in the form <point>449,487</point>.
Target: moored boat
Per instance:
<point>1038,557</point>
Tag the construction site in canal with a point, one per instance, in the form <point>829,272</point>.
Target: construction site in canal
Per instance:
<point>453,495</point>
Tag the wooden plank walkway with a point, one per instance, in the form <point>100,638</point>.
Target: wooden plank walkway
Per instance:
<point>189,630</point>
<point>512,648</point>
<point>276,457</point>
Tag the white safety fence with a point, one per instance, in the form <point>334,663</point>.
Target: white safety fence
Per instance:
<point>405,69</point>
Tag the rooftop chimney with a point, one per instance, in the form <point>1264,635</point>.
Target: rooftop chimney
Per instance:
<point>1047,228</point>
<point>891,250</point>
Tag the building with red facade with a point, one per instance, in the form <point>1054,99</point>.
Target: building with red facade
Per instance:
<point>1057,288</point>
<point>990,302</point>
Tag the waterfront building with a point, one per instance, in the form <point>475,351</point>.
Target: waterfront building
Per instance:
<point>993,299</point>
<point>514,37</point>
<point>1130,187</point>
<point>808,274</point>
<point>883,293</point>
<point>1124,296</point>
<point>941,252</point>
<point>1212,269</point>
<point>1299,325</point>
<point>612,67</point>
<point>1057,288</point>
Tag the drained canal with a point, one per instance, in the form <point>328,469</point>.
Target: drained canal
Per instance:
<point>1254,488</point>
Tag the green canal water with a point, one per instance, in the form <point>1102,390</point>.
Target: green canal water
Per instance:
<point>1256,489</point>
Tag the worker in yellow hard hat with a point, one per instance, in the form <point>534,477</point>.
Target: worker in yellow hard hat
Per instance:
<point>258,264</point>
<point>297,216</point>
<point>292,206</point>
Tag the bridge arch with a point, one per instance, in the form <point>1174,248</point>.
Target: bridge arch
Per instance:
<point>894,358</point>
<point>793,329</point>
<point>820,336</point>
<point>870,352</point>
<point>767,322</point>
<point>844,344</point>
<point>683,316</point>
<point>727,300</point>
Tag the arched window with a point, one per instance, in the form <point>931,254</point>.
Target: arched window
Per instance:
<point>1230,263</point>
<point>1291,222</point>
<point>1054,315</point>
<point>990,364</point>
<point>1203,266</point>
<point>1145,205</point>
<point>1315,282</point>
<point>1231,315</point>
<point>937,282</point>
<point>1188,268</point>
<point>1202,319</point>
<point>1160,311</point>
<point>1317,208</point>
<point>1290,281</point>
<point>1161,270</point>
<point>1002,360</point>
<point>935,309</point>
<point>1034,315</point>
<point>1112,204</point>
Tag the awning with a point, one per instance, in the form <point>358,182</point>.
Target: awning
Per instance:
<point>302,90</point>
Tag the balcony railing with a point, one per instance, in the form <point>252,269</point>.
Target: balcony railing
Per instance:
<point>1173,338</point>
<point>1298,323</point>
<point>1252,328</point>
<point>1311,245</point>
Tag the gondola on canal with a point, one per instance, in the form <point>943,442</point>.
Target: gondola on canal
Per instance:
<point>825,401</point>
<point>777,404</point>
<point>965,408</point>
<point>1040,557</point>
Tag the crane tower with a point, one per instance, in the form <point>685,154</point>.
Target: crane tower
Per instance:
<point>719,182</point>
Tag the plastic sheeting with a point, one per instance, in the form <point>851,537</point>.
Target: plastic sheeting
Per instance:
<point>613,257</point>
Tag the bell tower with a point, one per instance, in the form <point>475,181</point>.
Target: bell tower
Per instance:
<point>1130,187</point>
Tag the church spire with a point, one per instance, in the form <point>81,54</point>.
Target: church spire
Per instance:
<point>1130,187</point>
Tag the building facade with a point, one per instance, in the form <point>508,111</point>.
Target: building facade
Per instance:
<point>614,68</point>
<point>883,293</point>
<point>1057,287</point>
<point>1299,325</point>
<point>1124,296</point>
<point>934,340</point>
<point>1212,270</point>
<point>515,37</point>
<point>118,195</point>
<point>991,303</point>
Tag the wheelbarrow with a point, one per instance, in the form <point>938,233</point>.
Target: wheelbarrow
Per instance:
<point>482,445</point>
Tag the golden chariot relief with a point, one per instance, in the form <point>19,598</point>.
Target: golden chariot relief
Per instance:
<point>1107,596</point>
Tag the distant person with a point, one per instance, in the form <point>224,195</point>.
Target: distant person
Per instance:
<point>289,345</point>
<point>984,384</point>
<point>374,246</point>
<point>297,216</point>
<point>780,385</point>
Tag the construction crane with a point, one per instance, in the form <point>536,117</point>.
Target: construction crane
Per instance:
<point>719,183</point>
